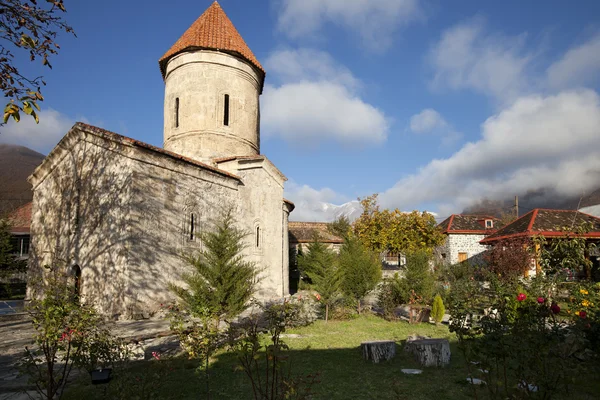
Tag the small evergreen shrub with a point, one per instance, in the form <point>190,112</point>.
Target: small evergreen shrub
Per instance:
<point>393,292</point>
<point>438,310</point>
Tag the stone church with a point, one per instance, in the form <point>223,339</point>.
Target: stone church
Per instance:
<point>117,213</point>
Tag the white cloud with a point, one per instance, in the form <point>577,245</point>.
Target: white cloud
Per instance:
<point>427,121</point>
<point>537,143</point>
<point>579,65</point>
<point>375,20</point>
<point>430,121</point>
<point>312,204</point>
<point>40,137</point>
<point>468,57</point>
<point>318,100</point>
<point>309,65</point>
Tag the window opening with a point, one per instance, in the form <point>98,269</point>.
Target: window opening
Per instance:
<point>258,236</point>
<point>192,227</point>
<point>226,111</point>
<point>77,274</point>
<point>489,223</point>
<point>177,112</point>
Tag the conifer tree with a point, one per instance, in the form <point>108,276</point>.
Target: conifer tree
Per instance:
<point>319,264</point>
<point>419,275</point>
<point>360,268</point>
<point>438,310</point>
<point>222,281</point>
<point>7,260</point>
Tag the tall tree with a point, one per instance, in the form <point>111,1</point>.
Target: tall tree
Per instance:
<point>396,231</point>
<point>222,282</point>
<point>319,264</point>
<point>340,227</point>
<point>7,259</point>
<point>418,275</point>
<point>360,268</point>
<point>32,27</point>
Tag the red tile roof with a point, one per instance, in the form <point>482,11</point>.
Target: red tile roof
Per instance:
<point>20,219</point>
<point>465,224</point>
<point>212,30</point>
<point>547,223</point>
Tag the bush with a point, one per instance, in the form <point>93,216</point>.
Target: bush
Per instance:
<point>419,276</point>
<point>520,342</point>
<point>393,292</point>
<point>67,335</point>
<point>438,310</point>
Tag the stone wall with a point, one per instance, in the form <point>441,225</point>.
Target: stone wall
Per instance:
<point>123,214</point>
<point>81,203</point>
<point>200,80</point>
<point>461,243</point>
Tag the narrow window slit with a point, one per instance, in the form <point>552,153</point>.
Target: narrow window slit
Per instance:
<point>192,227</point>
<point>177,112</point>
<point>226,111</point>
<point>257,236</point>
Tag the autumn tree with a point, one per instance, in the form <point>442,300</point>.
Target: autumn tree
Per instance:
<point>360,268</point>
<point>394,230</point>
<point>509,258</point>
<point>569,251</point>
<point>27,26</point>
<point>320,265</point>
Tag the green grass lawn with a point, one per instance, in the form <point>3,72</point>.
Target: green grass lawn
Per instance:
<point>331,350</point>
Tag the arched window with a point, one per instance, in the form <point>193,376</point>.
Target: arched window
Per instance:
<point>226,110</point>
<point>258,238</point>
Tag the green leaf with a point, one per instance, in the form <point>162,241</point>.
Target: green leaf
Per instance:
<point>27,108</point>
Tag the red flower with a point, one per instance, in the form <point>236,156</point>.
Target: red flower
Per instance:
<point>541,300</point>
<point>318,296</point>
<point>521,296</point>
<point>582,314</point>
<point>156,355</point>
<point>555,308</point>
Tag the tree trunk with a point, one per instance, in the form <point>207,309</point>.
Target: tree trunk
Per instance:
<point>358,307</point>
<point>326,312</point>
<point>379,350</point>
<point>430,352</point>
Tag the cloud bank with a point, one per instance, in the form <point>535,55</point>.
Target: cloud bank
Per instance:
<point>316,100</point>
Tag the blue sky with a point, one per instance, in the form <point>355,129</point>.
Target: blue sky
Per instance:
<point>432,104</point>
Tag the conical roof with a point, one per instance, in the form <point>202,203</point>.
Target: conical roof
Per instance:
<point>213,30</point>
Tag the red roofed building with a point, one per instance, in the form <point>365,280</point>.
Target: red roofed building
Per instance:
<point>20,221</point>
<point>463,236</point>
<point>549,224</point>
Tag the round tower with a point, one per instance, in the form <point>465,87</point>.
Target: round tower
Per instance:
<point>212,88</point>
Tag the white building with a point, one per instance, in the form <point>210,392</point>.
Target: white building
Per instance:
<point>463,234</point>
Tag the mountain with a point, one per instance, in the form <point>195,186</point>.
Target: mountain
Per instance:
<point>325,212</point>
<point>541,198</point>
<point>16,164</point>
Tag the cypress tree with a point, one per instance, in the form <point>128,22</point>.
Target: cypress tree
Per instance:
<point>221,282</point>
<point>361,270</point>
<point>319,264</point>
